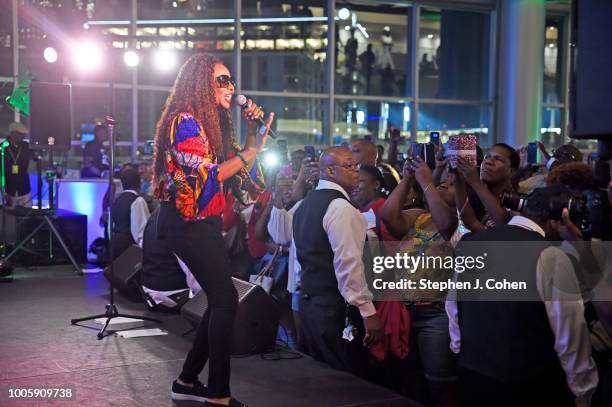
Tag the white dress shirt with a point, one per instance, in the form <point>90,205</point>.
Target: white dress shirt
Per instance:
<point>280,228</point>
<point>163,297</point>
<point>139,214</point>
<point>346,230</point>
<point>565,315</point>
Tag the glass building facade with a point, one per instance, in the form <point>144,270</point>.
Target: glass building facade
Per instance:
<point>331,70</point>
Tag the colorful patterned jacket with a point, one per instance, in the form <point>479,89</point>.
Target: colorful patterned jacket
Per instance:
<point>192,172</point>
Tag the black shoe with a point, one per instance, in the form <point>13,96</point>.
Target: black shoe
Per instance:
<point>233,403</point>
<point>196,393</point>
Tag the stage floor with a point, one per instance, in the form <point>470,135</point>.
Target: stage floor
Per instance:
<point>40,348</point>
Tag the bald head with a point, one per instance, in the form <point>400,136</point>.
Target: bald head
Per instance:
<point>334,155</point>
<point>365,151</point>
<point>339,165</point>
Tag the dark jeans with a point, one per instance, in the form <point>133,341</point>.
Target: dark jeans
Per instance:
<point>429,343</point>
<point>200,245</point>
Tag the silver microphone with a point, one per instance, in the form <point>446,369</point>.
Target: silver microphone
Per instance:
<point>241,101</point>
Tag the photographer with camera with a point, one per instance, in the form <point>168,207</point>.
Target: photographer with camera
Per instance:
<point>543,346</point>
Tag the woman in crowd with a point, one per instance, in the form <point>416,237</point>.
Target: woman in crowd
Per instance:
<point>420,231</point>
<point>196,160</point>
<point>495,179</point>
<point>368,197</point>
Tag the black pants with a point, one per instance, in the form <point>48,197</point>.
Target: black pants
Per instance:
<point>548,389</point>
<point>323,319</point>
<point>200,245</point>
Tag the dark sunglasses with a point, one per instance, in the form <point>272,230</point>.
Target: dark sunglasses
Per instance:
<point>225,80</point>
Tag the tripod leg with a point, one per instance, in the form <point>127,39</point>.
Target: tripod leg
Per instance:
<point>66,249</point>
<point>101,333</point>
<point>23,242</point>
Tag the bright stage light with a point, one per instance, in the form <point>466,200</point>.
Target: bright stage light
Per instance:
<point>87,56</point>
<point>50,55</point>
<point>165,60</point>
<point>344,13</point>
<point>131,58</point>
<point>271,159</point>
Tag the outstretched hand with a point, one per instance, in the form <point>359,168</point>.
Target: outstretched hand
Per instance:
<point>441,161</point>
<point>468,171</point>
<point>421,171</point>
<point>566,228</point>
<point>264,132</point>
<point>408,173</point>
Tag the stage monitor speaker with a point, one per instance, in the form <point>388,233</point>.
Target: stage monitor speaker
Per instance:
<point>256,322</point>
<point>50,115</point>
<point>590,78</point>
<point>127,269</point>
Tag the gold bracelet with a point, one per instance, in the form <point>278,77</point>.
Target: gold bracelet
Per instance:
<point>239,155</point>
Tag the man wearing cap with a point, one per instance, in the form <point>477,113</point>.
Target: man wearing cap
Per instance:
<point>17,156</point>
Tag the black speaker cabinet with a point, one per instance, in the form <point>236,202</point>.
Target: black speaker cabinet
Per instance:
<point>50,115</point>
<point>127,269</point>
<point>43,248</point>
<point>256,319</point>
<point>590,78</point>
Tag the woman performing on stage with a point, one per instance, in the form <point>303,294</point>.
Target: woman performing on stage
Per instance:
<point>196,162</point>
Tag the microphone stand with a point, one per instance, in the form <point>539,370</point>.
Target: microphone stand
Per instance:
<point>111,308</point>
<point>4,200</point>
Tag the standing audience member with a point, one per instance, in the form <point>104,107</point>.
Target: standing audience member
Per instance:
<point>394,140</point>
<point>329,235</point>
<point>129,213</point>
<point>350,51</point>
<point>366,153</point>
<point>280,228</point>
<point>528,181</point>
<point>368,196</point>
<point>496,174</point>
<point>367,60</point>
<point>93,163</point>
<point>420,232</point>
<point>297,156</point>
<point>524,353</point>
<point>17,157</point>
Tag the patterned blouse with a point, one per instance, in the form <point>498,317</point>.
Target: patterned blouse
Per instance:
<point>192,172</point>
<point>425,240</point>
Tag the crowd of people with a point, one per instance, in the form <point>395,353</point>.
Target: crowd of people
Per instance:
<point>217,213</point>
<point>311,221</point>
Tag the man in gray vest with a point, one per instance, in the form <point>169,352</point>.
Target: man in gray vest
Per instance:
<point>338,317</point>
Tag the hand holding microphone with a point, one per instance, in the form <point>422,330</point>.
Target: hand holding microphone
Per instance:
<point>253,112</point>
